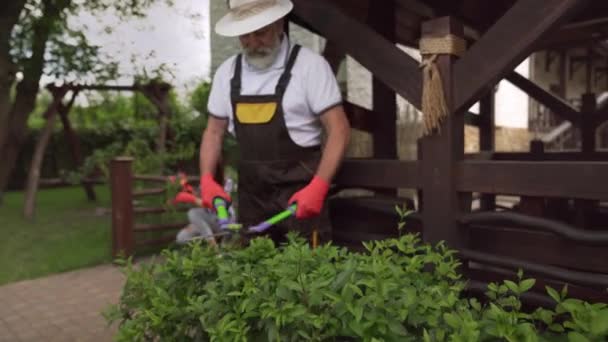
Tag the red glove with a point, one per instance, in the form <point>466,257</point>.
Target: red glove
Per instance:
<point>210,190</point>
<point>310,199</point>
<point>184,197</point>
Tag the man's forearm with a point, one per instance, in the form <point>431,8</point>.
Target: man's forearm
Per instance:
<point>210,151</point>
<point>333,153</point>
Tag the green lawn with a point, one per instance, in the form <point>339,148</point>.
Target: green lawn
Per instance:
<point>67,233</point>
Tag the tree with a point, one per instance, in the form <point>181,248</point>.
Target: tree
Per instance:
<point>37,39</point>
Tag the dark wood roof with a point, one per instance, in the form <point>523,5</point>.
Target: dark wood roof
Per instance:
<point>588,25</point>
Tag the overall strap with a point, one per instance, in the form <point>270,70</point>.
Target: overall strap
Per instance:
<point>235,82</point>
<point>286,76</point>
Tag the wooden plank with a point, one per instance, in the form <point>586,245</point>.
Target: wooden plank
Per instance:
<point>587,279</point>
<point>579,34</point>
<point>148,192</point>
<point>588,109</point>
<point>392,66</point>
<point>441,152</point>
<point>537,223</point>
<point>384,101</point>
<point>165,240</point>
<point>551,156</point>
<point>539,247</point>
<point>334,56</point>
<point>585,208</point>
<point>141,228</point>
<point>416,7</point>
<point>367,173</point>
<point>158,210</point>
<point>505,45</point>
<point>472,119</point>
<point>555,104</point>
<point>407,28</point>
<point>487,140</point>
<point>583,180</point>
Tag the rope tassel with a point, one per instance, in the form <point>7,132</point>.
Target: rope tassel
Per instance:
<point>434,105</point>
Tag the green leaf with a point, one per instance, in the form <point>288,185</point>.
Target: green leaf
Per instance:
<point>599,323</point>
<point>564,291</point>
<point>397,328</point>
<point>526,284</point>
<point>475,304</point>
<point>576,337</point>
<point>452,320</point>
<point>512,286</point>
<point>553,294</point>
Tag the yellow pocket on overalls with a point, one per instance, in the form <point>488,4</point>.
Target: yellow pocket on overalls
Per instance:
<point>255,113</point>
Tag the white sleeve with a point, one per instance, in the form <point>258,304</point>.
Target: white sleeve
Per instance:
<point>322,90</point>
<point>218,104</point>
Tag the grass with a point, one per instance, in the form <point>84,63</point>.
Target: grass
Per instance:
<point>66,233</point>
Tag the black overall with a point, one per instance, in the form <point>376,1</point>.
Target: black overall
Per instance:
<point>272,167</point>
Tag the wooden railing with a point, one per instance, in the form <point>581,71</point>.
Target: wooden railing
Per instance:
<point>128,235</point>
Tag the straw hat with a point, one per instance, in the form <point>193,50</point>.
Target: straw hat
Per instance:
<point>246,16</point>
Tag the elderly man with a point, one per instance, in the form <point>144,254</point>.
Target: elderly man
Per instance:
<point>276,98</point>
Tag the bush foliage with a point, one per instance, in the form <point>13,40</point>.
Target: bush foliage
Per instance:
<point>399,290</point>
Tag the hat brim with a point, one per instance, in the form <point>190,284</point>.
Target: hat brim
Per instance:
<point>229,26</point>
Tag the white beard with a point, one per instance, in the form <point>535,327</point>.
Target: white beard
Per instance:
<point>263,58</point>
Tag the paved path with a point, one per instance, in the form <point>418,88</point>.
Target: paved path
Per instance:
<point>62,307</point>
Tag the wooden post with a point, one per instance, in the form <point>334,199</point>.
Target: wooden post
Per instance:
<point>121,178</point>
<point>532,205</point>
<point>384,100</point>
<point>584,208</point>
<point>588,108</point>
<point>487,141</point>
<point>441,153</point>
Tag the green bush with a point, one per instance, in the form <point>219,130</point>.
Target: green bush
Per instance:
<point>400,290</point>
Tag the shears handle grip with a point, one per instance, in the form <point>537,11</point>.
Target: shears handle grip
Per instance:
<point>274,220</point>
<point>221,207</point>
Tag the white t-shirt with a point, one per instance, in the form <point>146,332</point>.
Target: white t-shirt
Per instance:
<point>311,91</point>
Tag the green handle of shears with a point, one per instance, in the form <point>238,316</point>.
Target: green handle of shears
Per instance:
<point>283,215</point>
<point>221,208</point>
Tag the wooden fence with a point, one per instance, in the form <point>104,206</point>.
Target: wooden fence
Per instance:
<point>127,234</point>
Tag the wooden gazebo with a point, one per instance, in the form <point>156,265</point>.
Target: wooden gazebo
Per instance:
<point>473,44</point>
<point>558,234</point>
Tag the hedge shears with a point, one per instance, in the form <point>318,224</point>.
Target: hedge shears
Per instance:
<point>224,221</point>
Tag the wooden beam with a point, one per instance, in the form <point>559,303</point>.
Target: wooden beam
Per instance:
<point>505,45</point>
<point>555,104</point>
<point>376,173</point>
<point>487,140</point>
<point>391,65</point>
<point>525,244</point>
<point>585,208</point>
<point>551,156</point>
<point>360,118</point>
<point>441,151</point>
<point>588,109</point>
<point>543,179</point>
<point>576,34</point>
<point>334,56</point>
<point>384,101</point>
